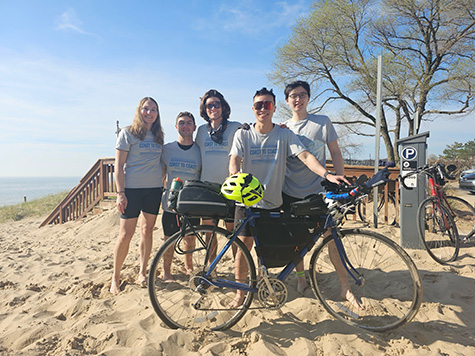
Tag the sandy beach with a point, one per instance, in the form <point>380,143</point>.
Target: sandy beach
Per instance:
<point>54,290</point>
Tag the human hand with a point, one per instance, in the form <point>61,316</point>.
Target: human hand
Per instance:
<point>337,179</point>
<point>121,202</point>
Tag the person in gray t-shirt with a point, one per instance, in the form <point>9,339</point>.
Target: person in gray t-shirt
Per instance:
<point>263,151</point>
<point>138,179</point>
<point>214,140</point>
<point>182,159</point>
<point>316,132</point>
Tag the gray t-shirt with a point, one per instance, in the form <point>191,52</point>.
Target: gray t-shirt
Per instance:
<point>315,132</point>
<point>265,156</point>
<point>142,167</point>
<point>214,156</point>
<point>178,162</point>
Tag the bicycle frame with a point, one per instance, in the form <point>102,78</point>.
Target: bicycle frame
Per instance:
<point>436,191</point>
<point>282,276</point>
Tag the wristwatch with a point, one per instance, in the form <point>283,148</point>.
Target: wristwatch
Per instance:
<point>325,174</point>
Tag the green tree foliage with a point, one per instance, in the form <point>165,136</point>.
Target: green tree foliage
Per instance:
<point>427,49</point>
<point>462,154</point>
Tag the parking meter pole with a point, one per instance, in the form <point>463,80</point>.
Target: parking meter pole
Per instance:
<point>413,154</point>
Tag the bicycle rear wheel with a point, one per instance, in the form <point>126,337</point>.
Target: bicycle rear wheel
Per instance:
<point>464,216</point>
<point>438,231</point>
<point>366,208</point>
<point>196,300</point>
<point>388,285</point>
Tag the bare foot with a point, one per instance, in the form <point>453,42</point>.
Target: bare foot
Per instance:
<point>115,287</point>
<point>350,297</point>
<point>237,301</point>
<point>301,284</point>
<point>142,280</point>
<point>167,277</point>
<point>188,271</point>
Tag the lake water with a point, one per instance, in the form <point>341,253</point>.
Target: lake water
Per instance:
<point>14,189</point>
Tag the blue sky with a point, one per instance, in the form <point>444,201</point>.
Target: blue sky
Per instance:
<point>70,69</point>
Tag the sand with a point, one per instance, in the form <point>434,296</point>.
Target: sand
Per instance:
<point>54,297</point>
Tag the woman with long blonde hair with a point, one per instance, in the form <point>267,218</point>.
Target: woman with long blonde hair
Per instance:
<point>139,184</point>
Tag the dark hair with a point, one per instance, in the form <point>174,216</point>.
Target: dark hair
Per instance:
<point>186,113</point>
<point>224,104</point>
<point>296,84</point>
<point>264,91</point>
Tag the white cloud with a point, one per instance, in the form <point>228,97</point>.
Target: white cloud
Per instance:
<point>250,19</point>
<point>69,21</point>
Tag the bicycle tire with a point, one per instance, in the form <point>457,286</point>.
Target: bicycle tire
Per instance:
<point>438,231</point>
<point>365,209</point>
<point>178,303</point>
<point>391,289</point>
<point>463,214</point>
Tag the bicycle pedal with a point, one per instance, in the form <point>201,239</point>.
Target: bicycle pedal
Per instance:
<point>209,316</point>
<point>347,311</point>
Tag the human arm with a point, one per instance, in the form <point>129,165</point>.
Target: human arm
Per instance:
<point>316,167</point>
<point>234,164</point>
<point>337,158</point>
<point>120,158</point>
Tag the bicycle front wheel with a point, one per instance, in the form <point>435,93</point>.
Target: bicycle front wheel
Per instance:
<point>438,231</point>
<point>464,216</point>
<point>386,286</point>
<point>366,209</point>
<point>197,299</point>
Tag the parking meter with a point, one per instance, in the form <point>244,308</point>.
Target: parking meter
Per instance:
<point>413,154</point>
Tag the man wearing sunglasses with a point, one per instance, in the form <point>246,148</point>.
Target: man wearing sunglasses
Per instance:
<point>263,150</point>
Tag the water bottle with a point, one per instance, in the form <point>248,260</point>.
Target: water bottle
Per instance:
<point>175,187</point>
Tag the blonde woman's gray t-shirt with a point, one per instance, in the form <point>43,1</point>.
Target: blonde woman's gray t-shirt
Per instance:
<point>142,168</point>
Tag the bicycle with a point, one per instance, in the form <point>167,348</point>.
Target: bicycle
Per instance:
<point>443,220</point>
<point>365,207</point>
<point>384,278</point>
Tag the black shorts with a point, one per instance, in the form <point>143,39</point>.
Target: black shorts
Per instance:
<point>171,223</point>
<point>142,199</point>
<point>240,214</point>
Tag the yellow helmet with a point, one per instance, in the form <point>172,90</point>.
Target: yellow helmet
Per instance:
<point>242,187</point>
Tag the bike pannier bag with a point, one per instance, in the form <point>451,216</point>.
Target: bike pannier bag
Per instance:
<point>202,199</point>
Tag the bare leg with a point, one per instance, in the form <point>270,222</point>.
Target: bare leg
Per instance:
<point>121,249</point>
<point>167,262</point>
<point>342,274</point>
<point>241,270</point>
<point>301,281</point>
<point>147,223</point>
<point>189,243</point>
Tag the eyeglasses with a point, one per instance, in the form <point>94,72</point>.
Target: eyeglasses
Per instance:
<point>153,111</point>
<point>213,105</point>
<point>302,95</point>
<point>266,105</point>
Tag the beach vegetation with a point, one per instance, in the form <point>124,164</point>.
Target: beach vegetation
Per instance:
<point>35,208</point>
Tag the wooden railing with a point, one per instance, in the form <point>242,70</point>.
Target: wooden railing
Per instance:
<point>97,184</point>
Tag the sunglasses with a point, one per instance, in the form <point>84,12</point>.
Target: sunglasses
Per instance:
<point>266,105</point>
<point>213,105</point>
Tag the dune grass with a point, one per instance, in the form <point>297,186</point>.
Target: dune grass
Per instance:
<point>34,208</point>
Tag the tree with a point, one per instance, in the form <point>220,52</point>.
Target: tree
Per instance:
<point>427,49</point>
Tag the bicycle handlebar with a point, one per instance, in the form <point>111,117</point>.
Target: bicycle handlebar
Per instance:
<point>436,170</point>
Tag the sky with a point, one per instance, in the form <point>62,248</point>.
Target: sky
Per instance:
<point>69,70</point>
